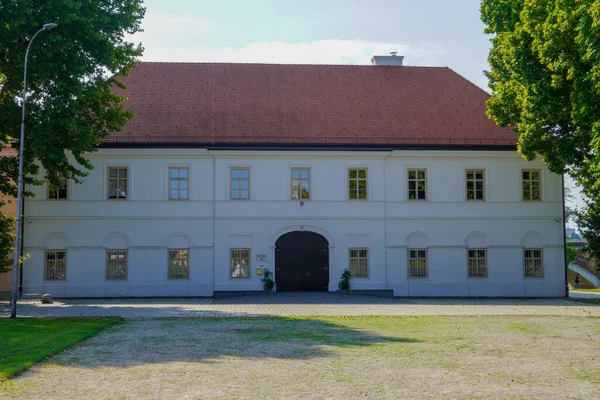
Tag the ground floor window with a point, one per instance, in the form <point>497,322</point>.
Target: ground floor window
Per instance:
<point>417,263</point>
<point>359,263</point>
<point>533,262</point>
<point>55,266</point>
<point>179,264</point>
<point>477,262</point>
<point>116,265</point>
<point>240,263</point>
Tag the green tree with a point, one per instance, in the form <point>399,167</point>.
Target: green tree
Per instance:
<point>571,253</point>
<point>545,82</point>
<point>70,76</point>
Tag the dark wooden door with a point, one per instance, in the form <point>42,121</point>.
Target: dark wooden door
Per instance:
<point>302,262</point>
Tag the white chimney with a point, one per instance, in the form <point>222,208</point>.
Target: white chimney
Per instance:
<point>388,61</point>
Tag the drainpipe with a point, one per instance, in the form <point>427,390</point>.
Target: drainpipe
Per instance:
<point>214,218</point>
<point>564,231</point>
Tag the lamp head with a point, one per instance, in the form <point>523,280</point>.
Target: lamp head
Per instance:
<point>49,26</point>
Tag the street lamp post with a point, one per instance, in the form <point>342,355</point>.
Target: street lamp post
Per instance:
<point>13,299</point>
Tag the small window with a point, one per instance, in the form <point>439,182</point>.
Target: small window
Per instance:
<point>533,261</point>
<point>477,263</point>
<point>55,267</point>
<point>359,263</point>
<point>240,183</point>
<point>240,263</point>
<point>532,184</point>
<point>118,183</point>
<point>116,265</point>
<point>60,192</point>
<point>475,184</point>
<point>178,183</point>
<point>417,263</point>
<point>417,184</point>
<point>357,184</point>
<point>179,264</point>
<point>300,183</point>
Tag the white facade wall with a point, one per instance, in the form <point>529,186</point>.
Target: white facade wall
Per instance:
<point>147,224</point>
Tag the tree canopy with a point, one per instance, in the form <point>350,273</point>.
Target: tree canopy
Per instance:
<point>545,82</point>
<point>70,73</point>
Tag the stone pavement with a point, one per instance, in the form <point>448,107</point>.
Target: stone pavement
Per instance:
<point>300,304</point>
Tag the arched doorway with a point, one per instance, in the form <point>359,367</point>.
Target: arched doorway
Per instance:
<point>302,262</point>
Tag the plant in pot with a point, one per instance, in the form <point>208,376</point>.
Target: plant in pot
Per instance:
<point>267,280</point>
<point>345,282</point>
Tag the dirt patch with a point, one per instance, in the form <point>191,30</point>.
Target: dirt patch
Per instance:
<point>328,357</point>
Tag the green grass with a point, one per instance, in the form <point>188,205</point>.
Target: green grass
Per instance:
<point>588,301</point>
<point>26,341</point>
<point>597,290</point>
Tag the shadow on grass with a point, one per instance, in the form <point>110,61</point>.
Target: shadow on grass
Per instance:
<point>208,340</point>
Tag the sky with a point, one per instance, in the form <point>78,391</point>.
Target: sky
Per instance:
<point>426,32</point>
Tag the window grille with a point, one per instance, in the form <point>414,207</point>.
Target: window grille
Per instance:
<point>417,184</point>
<point>359,263</point>
<point>240,263</point>
<point>477,260</point>
<point>116,265</point>
<point>55,266</point>
<point>533,261</point>
<point>417,263</point>
<point>179,264</point>
<point>178,183</point>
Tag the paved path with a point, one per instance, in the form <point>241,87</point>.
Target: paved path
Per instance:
<point>584,295</point>
<point>285,304</point>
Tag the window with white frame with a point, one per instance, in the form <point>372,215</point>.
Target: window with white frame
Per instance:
<point>531,180</point>
<point>60,191</point>
<point>357,183</point>
<point>240,263</point>
<point>477,263</point>
<point>417,184</point>
<point>55,265</point>
<point>240,183</point>
<point>417,263</point>
<point>475,179</point>
<point>358,263</point>
<point>533,263</point>
<point>116,265</point>
<point>179,183</point>
<point>300,183</point>
<point>118,180</point>
<point>179,264</point>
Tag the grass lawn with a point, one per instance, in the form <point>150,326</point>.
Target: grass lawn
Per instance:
<point>589,301</point>
<point>327,357</point>
<point>597,290</point>
<point>26,341</point>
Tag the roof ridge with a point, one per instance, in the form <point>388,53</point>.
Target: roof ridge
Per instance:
<point>291,64</point>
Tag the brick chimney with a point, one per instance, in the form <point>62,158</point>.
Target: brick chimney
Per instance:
<point>392,60</point>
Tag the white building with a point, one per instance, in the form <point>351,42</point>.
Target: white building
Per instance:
<point>393,172</point>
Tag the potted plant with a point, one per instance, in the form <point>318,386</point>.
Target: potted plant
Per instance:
<point>345,282</point>
<point>267,280</point>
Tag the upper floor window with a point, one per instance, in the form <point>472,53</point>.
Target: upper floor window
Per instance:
<point>55,267</point>
<point>359,263</point>
<point>357,183</point>
<point>118,179</point>
<point>475,184</point>
<point>179,264</point>
<point>477,263</point>
<point>178,183</point>
<point>300,183</point>
<point>240,183</point>
<point>531,184</point>
<point>417,184</point>
<point>417,263</point>
<point>60,192</point>
<point>533,263</point>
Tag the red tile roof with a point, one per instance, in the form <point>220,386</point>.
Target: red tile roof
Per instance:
<point>266,104</point>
